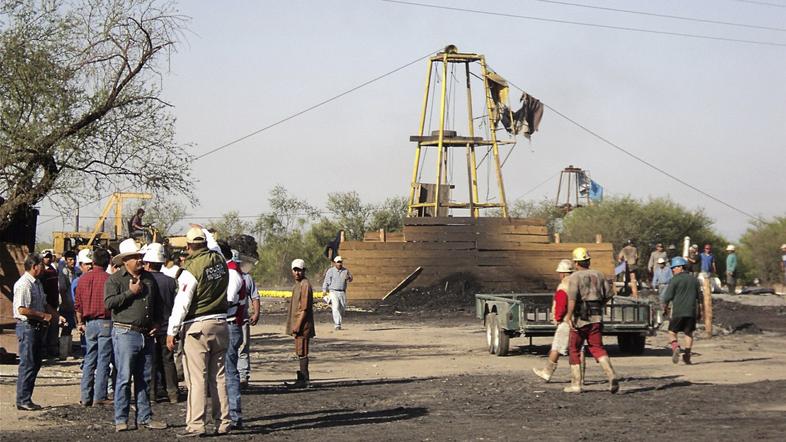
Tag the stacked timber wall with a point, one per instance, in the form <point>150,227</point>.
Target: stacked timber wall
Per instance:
<point>500,254</point>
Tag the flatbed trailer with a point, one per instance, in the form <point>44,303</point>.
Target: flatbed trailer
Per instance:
<point>507,316</point>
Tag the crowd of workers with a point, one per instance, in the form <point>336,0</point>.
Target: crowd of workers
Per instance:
<point>136,316</point>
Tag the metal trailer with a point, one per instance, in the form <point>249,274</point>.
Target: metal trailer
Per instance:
<point>508,316</point>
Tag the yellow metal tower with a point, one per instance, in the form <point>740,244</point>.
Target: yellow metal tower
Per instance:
<point>427,199</point>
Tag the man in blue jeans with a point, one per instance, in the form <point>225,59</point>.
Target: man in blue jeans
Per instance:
<point>236,294</point>
<point>94,323</point>
<point>33,315</point>
<point>131,294</point>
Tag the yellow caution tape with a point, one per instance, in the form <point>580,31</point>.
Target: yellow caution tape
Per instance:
<point>282,293</point>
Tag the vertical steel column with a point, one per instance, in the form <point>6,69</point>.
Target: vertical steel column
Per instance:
<point>416,166</point>
<point>495,147</point>
<point>440,146</point>
<point>472,173</point>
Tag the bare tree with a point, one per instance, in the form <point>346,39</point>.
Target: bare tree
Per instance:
<point>81,112</point>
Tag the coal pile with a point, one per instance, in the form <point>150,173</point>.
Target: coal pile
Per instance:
<point>454,293</point>
<point>748,319</point>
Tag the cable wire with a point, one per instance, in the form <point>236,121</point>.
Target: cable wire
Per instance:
<point>594,25</point>
<point>674,17</point>
<point>285,119</point>
<point>754,2</point>
<point>645,162</point>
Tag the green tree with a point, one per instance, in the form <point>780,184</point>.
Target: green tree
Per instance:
<point>389,215</point>
<point>645,222</point>
<point>230,224</point>
<point>81,109</point>
<point>350,213</point>
<point>545,210</point>
<point>759,251</point>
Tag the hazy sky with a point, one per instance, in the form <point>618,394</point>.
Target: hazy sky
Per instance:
<point>711,112</point>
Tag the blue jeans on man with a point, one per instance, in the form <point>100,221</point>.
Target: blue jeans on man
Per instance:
<point>98,356</point>
<point>232,373</point>
<point>134,360</point>
<point>31,344</point>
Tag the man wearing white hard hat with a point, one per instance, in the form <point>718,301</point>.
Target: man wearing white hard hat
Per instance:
<point>731,269</point>
<point>131,293</point>
<point>334,286</point>
<point>300,320</point>
<point>199,318</point>
<point>559,308</point>
<point>163,358</point>
<point>661,277</point>
<point>84,263</point>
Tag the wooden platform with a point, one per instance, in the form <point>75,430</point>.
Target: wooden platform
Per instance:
<point>503,255</point>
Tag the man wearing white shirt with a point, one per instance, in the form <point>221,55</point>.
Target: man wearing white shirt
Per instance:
<point>236,297</point>
<point>199,317</point>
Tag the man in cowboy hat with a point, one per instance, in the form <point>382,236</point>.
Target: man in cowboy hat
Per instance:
<point>163,359</point>
<point>131,293</point>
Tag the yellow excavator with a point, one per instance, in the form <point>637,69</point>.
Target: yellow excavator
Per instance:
<point>98,237</point>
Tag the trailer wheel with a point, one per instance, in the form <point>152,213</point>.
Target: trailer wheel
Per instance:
<point>491,326</point>
<point>503,341</point>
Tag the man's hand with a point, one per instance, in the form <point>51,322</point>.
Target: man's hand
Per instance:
<point>135,287</point>
<point>569,320</point>
<point>47,317</point>
<point>170,343</point>
<point>153,331</point>
<point>81,328</point>
<point>61,321</point>
<point>254,319</point>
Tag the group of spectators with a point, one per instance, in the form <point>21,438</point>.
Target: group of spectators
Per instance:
<point>138,319</point>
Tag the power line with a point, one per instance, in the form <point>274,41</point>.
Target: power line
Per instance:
<point>285,119</point>
<point>777,5</point>
<point>674,17</point>
<point>593,25</point>
<point>643,161</point>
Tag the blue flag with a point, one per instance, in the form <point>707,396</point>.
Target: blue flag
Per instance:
<point>595,191</point>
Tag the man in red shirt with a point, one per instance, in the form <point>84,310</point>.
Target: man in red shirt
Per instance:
<point>559,307</point>
<point>95,323</point>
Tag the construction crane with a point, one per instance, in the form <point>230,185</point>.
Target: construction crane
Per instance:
<point>74,240</point>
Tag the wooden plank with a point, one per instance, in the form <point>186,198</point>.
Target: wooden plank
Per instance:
<point>405,282</point>
<point>349,246</point>
<point>359,256</point>
<point>438,221</point>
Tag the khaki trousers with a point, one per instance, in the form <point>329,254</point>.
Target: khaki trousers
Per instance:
<point>204,345</point>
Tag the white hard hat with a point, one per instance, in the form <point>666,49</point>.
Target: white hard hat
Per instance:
<point>298,264</point>
<point>154,252</point>
<point>337,259</point>
<point>783,246</point>
<point>661,260</point>
<point>85,256</point>
<point>730,248</point>
<point>565,266</point>
<point>694,246</point>
<point>127,248</point>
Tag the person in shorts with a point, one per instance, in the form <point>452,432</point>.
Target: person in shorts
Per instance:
<point>683,293</point>
<point>559,307</point>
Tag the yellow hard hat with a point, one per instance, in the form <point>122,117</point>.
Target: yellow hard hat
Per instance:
<point>580,254</point>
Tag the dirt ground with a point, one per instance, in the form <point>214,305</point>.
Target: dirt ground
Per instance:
<point>420,376</point>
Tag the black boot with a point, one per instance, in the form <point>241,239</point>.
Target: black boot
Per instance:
<point>304,371</point>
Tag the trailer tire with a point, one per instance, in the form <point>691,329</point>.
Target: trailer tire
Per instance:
<point>503,341</point>
<point>491,326</point>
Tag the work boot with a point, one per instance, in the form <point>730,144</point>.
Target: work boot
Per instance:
<point>583,363</point>
<point>614,383</point>
<point>575,380</point>
<point>304,370</point>
<point>547,371</point>
<point>675,352</point>
<point>686,357</point>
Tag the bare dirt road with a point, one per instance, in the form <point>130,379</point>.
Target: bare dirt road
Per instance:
<point>421,376</point>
